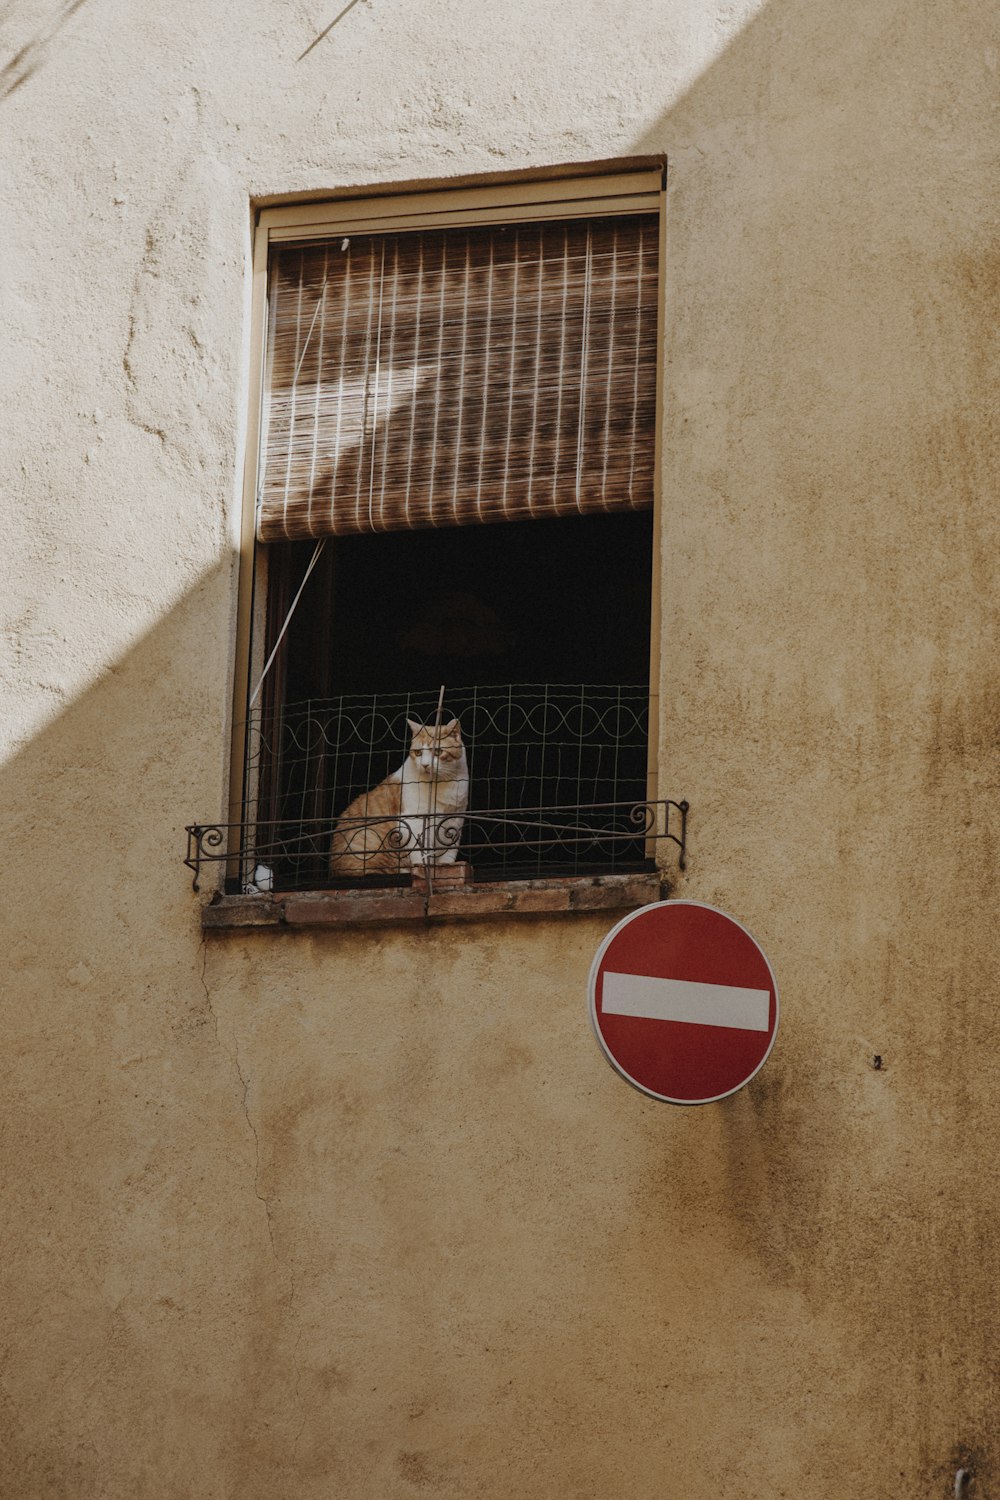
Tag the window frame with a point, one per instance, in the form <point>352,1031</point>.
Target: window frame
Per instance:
<point>634,185</point>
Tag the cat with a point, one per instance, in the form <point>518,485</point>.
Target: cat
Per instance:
<point>398,823</point>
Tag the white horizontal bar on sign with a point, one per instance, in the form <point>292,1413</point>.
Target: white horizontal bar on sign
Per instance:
<point>684,1000</point>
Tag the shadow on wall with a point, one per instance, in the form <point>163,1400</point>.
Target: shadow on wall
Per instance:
<point>118,1091</point>
<point>831,244</point>
<point>832,708</point>
<point>95,805</point>
<point>833,285</point>
<point>327,29</point>
<point>31,53</point>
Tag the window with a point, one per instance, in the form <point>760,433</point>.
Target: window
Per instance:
<point>453,484</point>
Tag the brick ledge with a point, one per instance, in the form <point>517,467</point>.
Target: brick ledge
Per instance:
<point>563,896</point>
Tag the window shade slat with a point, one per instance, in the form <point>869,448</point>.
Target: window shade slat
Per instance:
<point>451,377</point>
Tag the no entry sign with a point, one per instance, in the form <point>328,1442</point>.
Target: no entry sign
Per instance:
<point>683,1002</point>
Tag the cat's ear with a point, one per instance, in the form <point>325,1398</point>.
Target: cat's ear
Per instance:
<point>453,728</point>
<point>414,726</point>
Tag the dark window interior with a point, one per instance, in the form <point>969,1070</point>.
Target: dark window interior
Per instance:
<point>533,601</point>
<point>539,631</point>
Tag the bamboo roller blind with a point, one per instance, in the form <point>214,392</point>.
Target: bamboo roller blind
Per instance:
<point>448,377</point>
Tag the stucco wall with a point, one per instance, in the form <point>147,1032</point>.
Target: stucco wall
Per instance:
<point>366,1217</point>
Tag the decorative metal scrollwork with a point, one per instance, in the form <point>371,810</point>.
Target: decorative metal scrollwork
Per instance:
<point>589,838</point>
<point>203,840</point>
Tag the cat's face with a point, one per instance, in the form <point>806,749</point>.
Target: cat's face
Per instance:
<point>436,751</point>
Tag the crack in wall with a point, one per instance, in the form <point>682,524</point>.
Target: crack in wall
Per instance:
<point>262,1197</point>
<point>244,1081</point>
<point>147,267</point>
<point>233,1056</point>
<point>149,270</point>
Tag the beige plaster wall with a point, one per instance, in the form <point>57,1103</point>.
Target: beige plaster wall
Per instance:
<point>367,1216</point>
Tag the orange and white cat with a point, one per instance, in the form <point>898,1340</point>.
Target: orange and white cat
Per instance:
<point>413,817</point>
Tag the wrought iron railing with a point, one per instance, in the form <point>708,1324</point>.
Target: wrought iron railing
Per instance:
<point>496,844</point>
<point>558,784</point>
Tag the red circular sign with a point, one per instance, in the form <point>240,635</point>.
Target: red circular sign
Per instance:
<point>683,1002</point>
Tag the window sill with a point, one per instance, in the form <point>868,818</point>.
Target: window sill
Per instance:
<point>565,896</point>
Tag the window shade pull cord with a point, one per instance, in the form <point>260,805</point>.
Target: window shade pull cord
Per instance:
<point>291,610</point>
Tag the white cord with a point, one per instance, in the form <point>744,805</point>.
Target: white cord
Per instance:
<point>291,610</point>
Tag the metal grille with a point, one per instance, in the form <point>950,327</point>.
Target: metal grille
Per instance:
<point>557,777</point>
